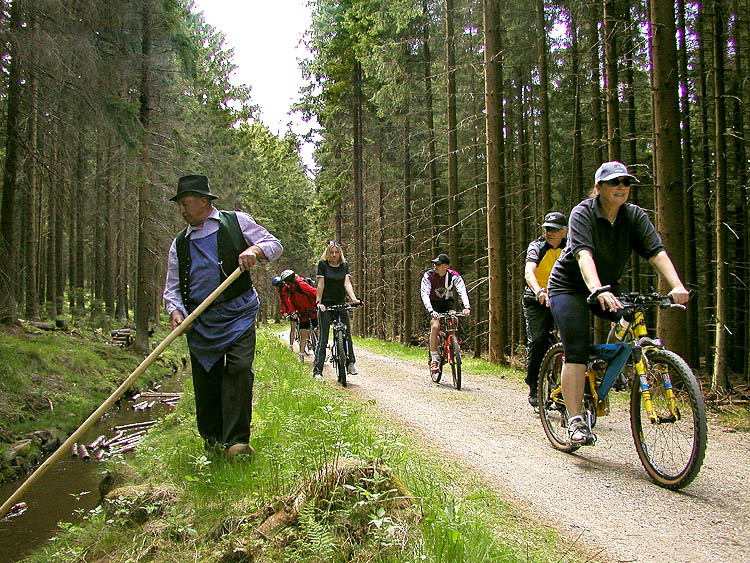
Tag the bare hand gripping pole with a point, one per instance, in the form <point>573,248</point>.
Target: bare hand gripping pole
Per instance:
<point>106,405</point>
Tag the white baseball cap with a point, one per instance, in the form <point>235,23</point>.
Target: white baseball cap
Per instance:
<point>610,170</point>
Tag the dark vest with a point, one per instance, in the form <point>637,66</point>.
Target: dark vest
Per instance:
<point>230,243</point>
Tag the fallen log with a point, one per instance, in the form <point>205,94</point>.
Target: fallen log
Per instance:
<point>135,425</point>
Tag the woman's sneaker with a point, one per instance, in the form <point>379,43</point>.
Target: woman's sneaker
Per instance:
<point>579,433</point>
<point>351,370</point>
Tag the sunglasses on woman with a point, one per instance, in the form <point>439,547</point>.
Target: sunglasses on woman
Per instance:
<point>617,181</point>
<point>333,243</point>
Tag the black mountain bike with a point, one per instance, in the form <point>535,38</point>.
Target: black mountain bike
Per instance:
<point>340,353</point>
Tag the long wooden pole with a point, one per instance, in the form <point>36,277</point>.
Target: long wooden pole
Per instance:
<point>106,405</point>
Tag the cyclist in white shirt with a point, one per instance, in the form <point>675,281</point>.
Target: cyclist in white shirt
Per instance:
<point>437,289</point>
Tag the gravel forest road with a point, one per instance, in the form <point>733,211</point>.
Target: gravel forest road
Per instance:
<point>600,496</point>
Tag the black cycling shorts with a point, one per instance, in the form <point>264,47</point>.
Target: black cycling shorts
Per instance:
<point>441,306</point>
<point>304,325</point>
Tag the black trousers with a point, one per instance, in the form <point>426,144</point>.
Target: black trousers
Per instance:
<point>224,395</point>
<point>539,325</point>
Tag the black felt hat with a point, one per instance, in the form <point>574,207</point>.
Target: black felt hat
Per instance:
<point>193,183</point>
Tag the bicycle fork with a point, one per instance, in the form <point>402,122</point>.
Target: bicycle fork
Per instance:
<point>640,370</point>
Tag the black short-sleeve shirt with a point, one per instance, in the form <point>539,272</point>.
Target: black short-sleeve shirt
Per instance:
<point>610,244</point>
<point>334,292</point>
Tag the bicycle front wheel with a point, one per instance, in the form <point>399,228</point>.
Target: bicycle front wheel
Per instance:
<point>455,361</point>
<point>341,357</point>
<point>552,409</point>
<point>672,449</point>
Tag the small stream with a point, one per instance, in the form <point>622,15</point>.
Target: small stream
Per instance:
<point>70,488</point>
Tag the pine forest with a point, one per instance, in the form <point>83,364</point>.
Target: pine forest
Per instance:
<point>443,126</point>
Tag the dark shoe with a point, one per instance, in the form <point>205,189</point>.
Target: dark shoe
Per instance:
<point>236,451</point>
<point>579,433</point>
<point>351,370</point>
<point>533,398</point>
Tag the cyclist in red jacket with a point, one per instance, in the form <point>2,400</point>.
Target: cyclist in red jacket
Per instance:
<point>302,298</point>
<point>285,306</point>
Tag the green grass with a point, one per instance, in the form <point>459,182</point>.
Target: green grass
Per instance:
<point>204,508</point>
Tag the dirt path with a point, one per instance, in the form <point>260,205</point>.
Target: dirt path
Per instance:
<point>489,426</point>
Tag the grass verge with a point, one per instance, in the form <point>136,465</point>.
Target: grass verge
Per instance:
<point>178,503</point>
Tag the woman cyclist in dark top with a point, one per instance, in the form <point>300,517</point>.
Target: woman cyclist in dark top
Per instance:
<point>334,286</point>
<point>602,233</point>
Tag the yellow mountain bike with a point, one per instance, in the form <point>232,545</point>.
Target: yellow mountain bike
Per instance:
<point>667,412</point>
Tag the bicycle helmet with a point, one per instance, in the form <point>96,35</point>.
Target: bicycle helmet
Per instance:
<point>287,276</point>
<point>276,281</point>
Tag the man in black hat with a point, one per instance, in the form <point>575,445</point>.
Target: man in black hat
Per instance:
<point>436,291</point>
<point>222,338</point>
<point>540,257</point>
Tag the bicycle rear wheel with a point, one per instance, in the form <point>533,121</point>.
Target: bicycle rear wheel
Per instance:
<point>341,357</point>
<point>455,361</point>
<point>671,451</point>
<point>552,409</point>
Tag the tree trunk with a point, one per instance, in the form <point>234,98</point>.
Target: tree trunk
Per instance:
<point>406,336</point>
<point>359,225</point>
<point>720,380</point>
<point>596,100</point>
<point>496,244</point>
<point>453,249</point>
<point>32,190</point>
<point>431,151</point>
<point>707,288</point>
<point>143,313</point>
<point>76,198</point>
<point>672,325</point>
<point>8,243</point>
<point>576,170</point>
<point>739,361</point>
<point>121,311</point>
<point>110,234</point>
<point>541,51</point>
<point>611,32</point>
<point>380,314</point>
<point>691,241</point>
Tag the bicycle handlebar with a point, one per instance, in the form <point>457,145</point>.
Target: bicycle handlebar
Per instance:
<point>344,306</point>
<point>448,315</point>
<point>634,299</point>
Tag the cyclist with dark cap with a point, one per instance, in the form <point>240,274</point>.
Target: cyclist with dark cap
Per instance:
<point>436,290</point>
<point>541,255</point>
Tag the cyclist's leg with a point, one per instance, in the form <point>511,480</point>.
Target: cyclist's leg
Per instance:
<point>538,327</point>
<point>292,332</point>
<point>324,322</point>
<point>571,313</point>
<point>434,330</point>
